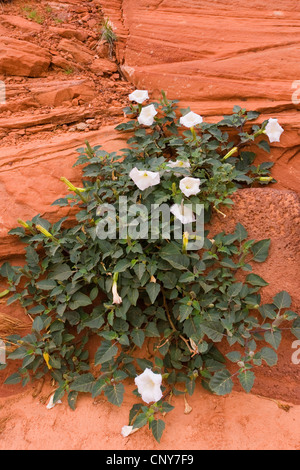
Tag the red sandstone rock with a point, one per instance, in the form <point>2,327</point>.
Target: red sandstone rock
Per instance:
<point>22,58</point>
<point>80,53</point>
<point>103,66</point>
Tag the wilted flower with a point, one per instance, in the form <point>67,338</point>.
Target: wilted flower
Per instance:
<point>179,164</point>
<point>273,130</point>
<point>148,384</point>
<point>144,178</point>
<point>183,213</point>
<point>191,119</point>
<point>147,114</point>
<point>139,96</point>
<point>190,186</point>
<point>126,430</point>
<point>116,298</point>
<point>51,404</point>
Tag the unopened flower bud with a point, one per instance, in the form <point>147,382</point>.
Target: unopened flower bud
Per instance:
<point>241,364</point>
<point>230,153</point>
<point>21,222</point>
<point>266,179</point>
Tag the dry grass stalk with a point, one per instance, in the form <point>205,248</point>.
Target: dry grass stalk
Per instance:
<point>10,325</point>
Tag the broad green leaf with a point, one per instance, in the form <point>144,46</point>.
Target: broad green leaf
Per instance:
<point>98,387</point>
<point>256,280</point>
<point>79,300</point>
<point>234,356</point>
<point>13,379</point>
<point>105,353</point>
<point>246,379</point>
<point>72,400</point>
<point>62,272</point>
<point>269,355</point>
<point>235,289</point>
<point>296,328</point>
<point>273,337</point>
<point>138,337</point>
<point>213,330</point>
<point>177,261</point>
<point>47,284</point>
<point>221,383</point>
<point>115,393</point>
<point>260,250</point>
<point>282,300</point>
<point>157,427</point>
<point>153,289</point>
<point>83,383</point>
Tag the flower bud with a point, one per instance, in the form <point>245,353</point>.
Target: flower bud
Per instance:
<point>21,222</point>
<point>266,179</point>
<point>116,298</point>
<point>230,153</point>
<point>44,231</point>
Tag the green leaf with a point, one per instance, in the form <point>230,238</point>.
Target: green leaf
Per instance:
<point>38,324</point>
<point>157,427</point>
<point>234,356</point>
<point>13,379</point>
<point>83,383</point>
<point>268,311</point>
<point>184,312</point>
<point>115,393</point>
<point>62,272</point>
<point>152,331</point>
<point>139,270</point>
<point>235,289</point>
<point>47,284</point>
<point>260,250</point>
<point>153,289</point>
<point>296,328</point>
<point>72,399</point>
<point>122,266</point>
<point>7,271</point>
<point>213,330</point>
<point>269,355</point>
<point>98,387</point>
<point>32,257</point>
<point>256,280</point>
<point>79,300</point>
<point>221,383</point>
<point>105,353</point>
<point>282,300</point>
<point>264,144</point>
<point>138,337</point>
<point>246,379</point>
<point>273,337</point>
<point>140,421</point>
<point>177,261</point>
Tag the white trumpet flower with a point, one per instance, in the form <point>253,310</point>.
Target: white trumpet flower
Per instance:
<point>149,386</point>
<point>183,213</point>
<point>147,114</point>
<point>191,119</point>
<point>190,186</point>
<point>144,178</point>
<point>139,96</point>
<point>273,130</point>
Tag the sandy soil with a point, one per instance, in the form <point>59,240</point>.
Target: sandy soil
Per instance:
<point>236,422</point>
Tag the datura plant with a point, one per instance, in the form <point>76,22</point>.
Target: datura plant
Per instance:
<point>162,313</point>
